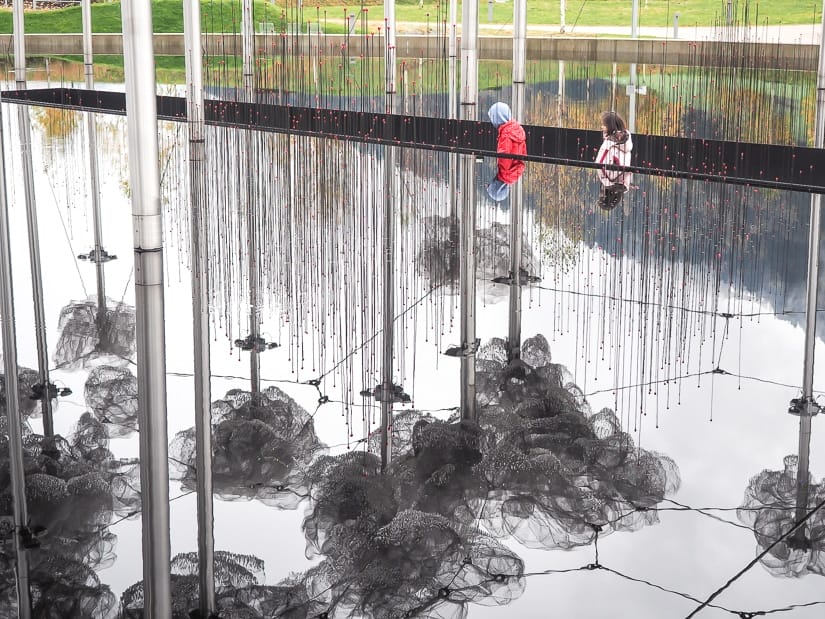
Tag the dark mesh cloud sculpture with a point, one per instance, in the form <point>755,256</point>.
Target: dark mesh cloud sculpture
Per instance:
<point>111,395</point>
<point>260,444</point>
<point>769,506</point>
<point>85,335</point>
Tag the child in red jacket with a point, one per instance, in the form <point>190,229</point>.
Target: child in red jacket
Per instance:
<point>511,140</point>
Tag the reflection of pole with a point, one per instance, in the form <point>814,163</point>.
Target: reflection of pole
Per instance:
<point>469,101</point>
<point>388,249</point>
<point>248,50</point>
<point>144,178</point>
<point>44,385</point>
<point>452,109</point>
<point>634,33</point>
<point>808,407</point>
<point>14,425</point>
<point>519,56</point>
<point>200,308</point>
<point>88,70</point>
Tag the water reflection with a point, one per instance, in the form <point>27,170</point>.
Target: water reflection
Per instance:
<point>239,590</point>
<point>261,445</point>
<point>770,508</point>
<point>111,394</point>
<point>69,497</point>
<point>87,334</point>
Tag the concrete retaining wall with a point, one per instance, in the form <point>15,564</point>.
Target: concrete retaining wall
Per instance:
<point>642,51</point>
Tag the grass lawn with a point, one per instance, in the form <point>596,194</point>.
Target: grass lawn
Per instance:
<point>224,15</point>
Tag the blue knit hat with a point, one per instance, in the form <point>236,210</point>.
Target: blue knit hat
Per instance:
<point>499,113</point>
<point>498,190</point>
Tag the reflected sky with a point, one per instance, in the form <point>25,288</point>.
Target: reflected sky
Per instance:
<point>720,430</point>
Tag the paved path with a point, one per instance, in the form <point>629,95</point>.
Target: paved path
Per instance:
<point>801,34</point>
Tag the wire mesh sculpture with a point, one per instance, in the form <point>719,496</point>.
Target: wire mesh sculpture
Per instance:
<point>26,380</point>
<point>87,334</point>
<point>69,500</point>
<point>260,445</point>
<point>769,507</point>
<point>556,472</point>
<point>111,394</point>
<point>437,257</point>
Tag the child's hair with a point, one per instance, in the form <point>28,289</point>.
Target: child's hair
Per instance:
<point>613,122</point>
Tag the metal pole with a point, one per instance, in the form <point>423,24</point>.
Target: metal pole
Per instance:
<point>631,89</point>
<point>200,307</point>
<point>809,407</point>
<point>452,108</point>
<point>147,225</point>
<point>91,128</point>
<point>14,426</point>
<point>248,51</point>
<point>516,215</point>
<point>24,126</point>
<point>469,104</point>
<point>563,15</point>
<point>388,249</point>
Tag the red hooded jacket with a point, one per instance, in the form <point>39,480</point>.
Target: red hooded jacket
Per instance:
<point>511,139</point>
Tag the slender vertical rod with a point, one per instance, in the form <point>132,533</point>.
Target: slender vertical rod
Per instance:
<point>516,215</point>
<point>452,107</point>
<point>248,51</point>
<point>467,263</point>
<point>388,242</point>
<point>562,16</point>
<point>147,226</point>
<point>14,425</point>
<point>91,129</point>
<point>200,307</point>
<point>809,407</point>
<point>632,89</point>
<point>24,126</point>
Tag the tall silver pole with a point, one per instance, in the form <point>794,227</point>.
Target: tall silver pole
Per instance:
<point>14,426</point>
<point>248,51</point>
<point>452,111</point>
<point>91,128</point>
<point>147,225</point>
<point>516,192</point>
<point>809,408</point>
<point>200,306</point>
<point>388,242</point>
<point>469,111</point>
<point>24,126</point>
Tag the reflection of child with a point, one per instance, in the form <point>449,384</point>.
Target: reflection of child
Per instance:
<point>615,149</point>
<point>511,139</point>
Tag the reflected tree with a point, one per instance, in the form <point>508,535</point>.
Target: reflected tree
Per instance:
<point>239,591</point>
